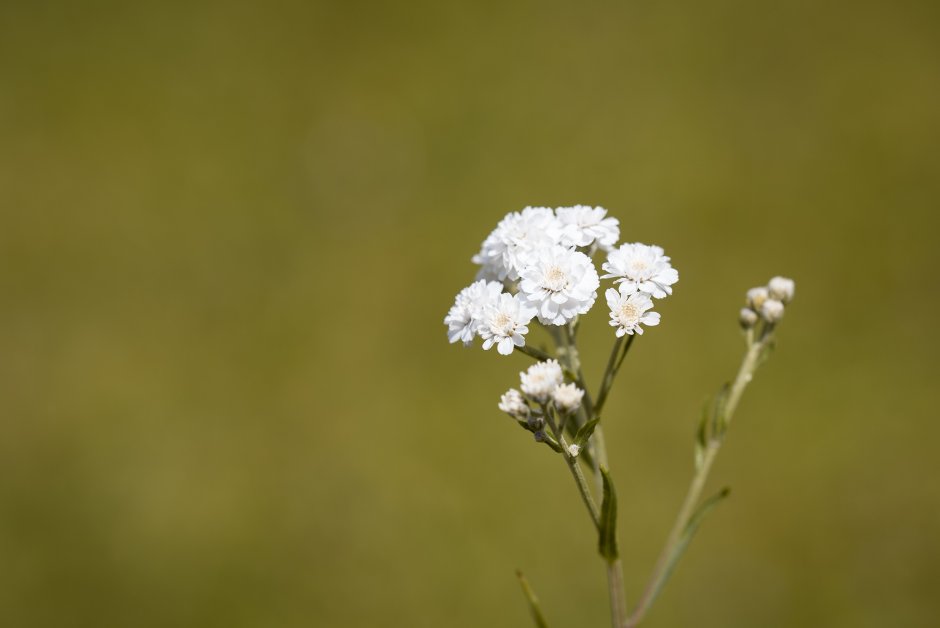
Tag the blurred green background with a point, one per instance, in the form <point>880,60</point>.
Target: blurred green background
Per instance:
<point>229,234</point>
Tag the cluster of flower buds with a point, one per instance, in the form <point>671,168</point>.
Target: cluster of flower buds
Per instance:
<point>537,264</point>
<point>543,390</point>
<point>767,303</point>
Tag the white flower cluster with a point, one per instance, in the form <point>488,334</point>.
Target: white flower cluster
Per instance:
<point>541,383</point>
<point>537,264</point>
<point>767,303</point>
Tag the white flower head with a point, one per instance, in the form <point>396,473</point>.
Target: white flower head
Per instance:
<point>466,315</point>
<point>574,449</point>
<point>641,268</point>
<point>517,237</point>
<point>541,379</point>
<point>629,311</point>
<point>583,225</point>
<point>781,289</point>
<point>505,323</point>
<point>567,397</point>
<point>756,297</point>
<point>512,403</point>
<point>561,283</point>
<point>772,310</point>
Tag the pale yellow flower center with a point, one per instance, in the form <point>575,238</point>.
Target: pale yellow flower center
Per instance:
<point>555,279</point>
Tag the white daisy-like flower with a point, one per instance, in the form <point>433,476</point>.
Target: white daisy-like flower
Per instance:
<point>628,311</point>
<point>561,283</point>
<point>541,379</point>
<point>517,237</point>
<point>512,403</point>
<point>781,289</point>
<point>567,397</point>
<point>466,314</point>
<point>505,323</point>
<point>641,268</point>
<point>583,225</point>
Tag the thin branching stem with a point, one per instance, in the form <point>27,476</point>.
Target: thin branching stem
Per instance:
<point>674,546</point>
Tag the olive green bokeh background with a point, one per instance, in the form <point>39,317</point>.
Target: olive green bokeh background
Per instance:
<point>229,234</point>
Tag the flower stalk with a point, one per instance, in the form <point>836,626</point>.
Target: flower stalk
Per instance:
<point>537,266</point>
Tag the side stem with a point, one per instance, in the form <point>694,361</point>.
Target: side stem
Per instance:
<point>670,550</point>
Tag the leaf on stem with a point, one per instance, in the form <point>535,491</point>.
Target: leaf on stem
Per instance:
<point>585,432</point>
<point>690,528</point>
<point>537,616</point>
<point>607,526</point>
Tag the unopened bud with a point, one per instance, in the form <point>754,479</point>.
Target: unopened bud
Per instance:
<point>747,318</point>
<point>574,450</point>
<point>567,397</point>
<point>512,403</point>
<point>756,297</point>
<point>772,310</point>
<point>781,289</point>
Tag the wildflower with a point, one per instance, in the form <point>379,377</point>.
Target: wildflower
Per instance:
<point>781,289</point>
<point>505,323</point>
<point>583,225</point>
<point>574,449</point>
<point>628,311</point>
<point>756,297</point>
<point>466,315</point>
<point>517,237</point>
<point>541,379</point>
<point>561,283</point>
<point>567,397</point>
<point>512,403</point>
<point>641,268</point>
<point>772,310</point>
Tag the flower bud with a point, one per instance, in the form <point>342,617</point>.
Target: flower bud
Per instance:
<point>747,318</point>
<point>567,397</point>
<point>512,403</point>
<point>756,297</point>
<point>574,450</point>
<point>781,289</point>
<point>772,311</point>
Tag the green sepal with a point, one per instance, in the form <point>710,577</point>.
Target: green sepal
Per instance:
<point>607,526</point>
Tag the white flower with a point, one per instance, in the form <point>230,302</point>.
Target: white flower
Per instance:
<point>574,449</point>
<point>512,403</point>
<point>466,315</point>
<point>510,247</point>
<point>541,379</point>
<point>561,283</point>
<point>781,289</point>
<point>583,225</point>
<point>641,268</point>
<point>756,297</point>
<point>772,310</point>
<point>567,397</point>
<point>628,311</point>
<point>505,322</point>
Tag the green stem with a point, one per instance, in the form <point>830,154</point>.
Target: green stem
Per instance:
<point>674,546</point>
<point>573,466</point>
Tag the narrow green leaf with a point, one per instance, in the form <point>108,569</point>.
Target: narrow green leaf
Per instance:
<point>701,437</point>
<point>690,528</point>
<point>719,421</point>
<point>537,616</point>
<point>607,527</point>
<point>584,434</point>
